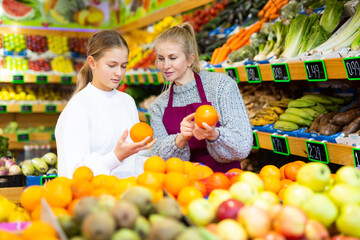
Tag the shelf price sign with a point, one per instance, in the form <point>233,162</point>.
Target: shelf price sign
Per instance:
<point>3,109</point>
<point>317,151</point>
<point>66,80</point>
<point>255,140</point>
<point>315,70</point>
<point>210,70</point>
<point>147,118</point>
<point>253,74</point>
<point>356,154</point>
<point>136,79</point>
<point>41,79</point>
<point>45,179</point>
<point>155,79</point>
<point>146,79</point>
<point>26,108</point>
<point>280,144</point>
<point>233,73</point>
<point>280,72</point>
<point>352,66</point>
<point>18,79</point>
<point>50,108</point>
<point>23,137</point>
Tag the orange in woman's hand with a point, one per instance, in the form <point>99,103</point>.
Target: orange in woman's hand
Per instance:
<point>206,114</point>
<point>140,131</point>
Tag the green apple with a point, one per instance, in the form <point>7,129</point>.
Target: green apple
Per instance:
<point>348,222</point>
<point>243,191</point>
<point>314,175</point>
<point>321,208</point>
<point>264,200</point>
<point>253,179</point>
<point>218,196</point>
<point>231,229</point>
<point>270,197</point>
<point>344,193</point>
<point>201,212</point>
<point>297,195</point>
<point>255,220</point>
<point>349,175</point>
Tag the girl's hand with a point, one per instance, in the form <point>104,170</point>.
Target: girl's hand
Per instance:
<point>186,131</point>
<point>124,149</point>
<point>207,132</point>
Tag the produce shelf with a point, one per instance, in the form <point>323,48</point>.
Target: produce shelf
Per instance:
<point>174,9</point>
<point>44,32</point>
<point>338,153</point>
<point>144,78</point>
<point>32,138</point>
<point>32,78</point>
<point>36,108</point>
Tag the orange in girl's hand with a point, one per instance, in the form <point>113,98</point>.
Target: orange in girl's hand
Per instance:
<point>140,131</point>
<point>206,114</point>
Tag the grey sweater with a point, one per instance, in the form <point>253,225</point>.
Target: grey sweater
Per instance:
<point>235,141</point>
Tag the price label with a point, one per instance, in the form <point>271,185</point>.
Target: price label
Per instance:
<point>280,72</point>
<point>317,151</point>
<point>352,66</point>
<point>26,108</point>
<point>23,137</point>
<point>356,154</point>
<point>255,141</point>
<point>233,73</point>
<point>210,70</point>
<point>315,70</point>
<point>41,79</point>
<point>52,137</point>
<point>66,80</point>
<point>128,80</point>
<point>253,74</point>
<point>280,145</point>
<point>147,118</point>
<point>146,79</point>
<point>155,79</point>
<point>50,108</point>
<point>136,79</point>
<point>3,108</point>
<point>18,79</point>
<point>45,179</point>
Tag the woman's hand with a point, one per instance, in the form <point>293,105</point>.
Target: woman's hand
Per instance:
<point>186,131</point>
<point>124,149</point>
<point>207,132</point>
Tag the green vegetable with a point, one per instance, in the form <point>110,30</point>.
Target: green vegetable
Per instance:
<point>315,38</point>
<point>256,39</point>
<point>280,31</point>
<point>331,16</point>
<point>313,4</point>
<point>242,53</point>
<point>355,46</point>
<point>290,10</point>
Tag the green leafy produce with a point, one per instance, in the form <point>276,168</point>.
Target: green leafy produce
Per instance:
<point>313,4</point>
<point>290,10</point>
<point>316,37</point>
<point>355,46</point>
<point>280,31</point>
<point>331,17</point>
<point>242,53</point>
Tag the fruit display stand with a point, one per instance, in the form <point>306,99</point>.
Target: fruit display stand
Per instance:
<point>12,193</point>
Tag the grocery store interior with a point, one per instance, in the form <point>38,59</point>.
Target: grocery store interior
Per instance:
<point>297,66</point>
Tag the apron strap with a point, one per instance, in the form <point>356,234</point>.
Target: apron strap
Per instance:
<point>171,95</point>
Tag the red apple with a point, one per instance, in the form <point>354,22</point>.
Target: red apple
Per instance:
<point>290,222</point>
<point>229,209</point>
<point>315,230</point>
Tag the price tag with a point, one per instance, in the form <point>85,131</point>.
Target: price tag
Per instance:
<point>128,80</point>
<point>136,79</point>
<point>280,72</point>
<point>352,66</point>
<point>253,74</point>
<point>146,79</point>
<point>26,108</point>
<point>356,154</point>
<point>210,70</point>
<point>45,179</point>
<point>280,145</point>
<point>66,80</point>
<point>18,79</point>
<point>41,79</point>
<point>255,141</point>
<point>147,117</point>
<point>50,108</point>
<point>155,78</point>
<point>317,151</point>
<point>233,73</point>
<point>23,137</point>
<point>52,137</point>
<point>315,70</point>
<point>3,108</point>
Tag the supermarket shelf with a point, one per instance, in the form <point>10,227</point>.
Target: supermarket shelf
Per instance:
<point>145,78</point>
<point>174,9</point>
<point>44,32</point>
<point>32,78</point>
<point>338,153</point>
<point>36,108</point>
<point>32,138</point>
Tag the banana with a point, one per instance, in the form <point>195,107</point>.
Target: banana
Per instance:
<point>300,103</point>
<point>277,110</point>
<point>320,108</point>
<point>299,112</point>
<point>336,100</point>
<point>295,119</point>
<point>318,98</point>
<point>312,112</point>
<point>267,112</point>
<point>260,122</point>
<point>287,99</point>
<point>281,104</point>
<point>286,126</point>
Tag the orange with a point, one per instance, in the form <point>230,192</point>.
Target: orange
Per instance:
<point>157,194</point>
<point>109,182</point>
<point>217,180</point>
<point>206,114</point>
<point>71,206</point>
<point>81,188</point>
<point>270,170</point>
<point>45,238</point>
<point>140,131</point>
<point>59,211</point>
<point>199,185</point>
<point>174,182</point>
<point>57,194</point>
<point>36,213</point>
<point>291,170</point>
<point>200,172</point>
<point>272,184</point>
<point>8,236</point>
<point>124,184</point>
<point>235,170</point>
<point>187,167</point>
<point>282,171</point>
<point>281,193</point>
<point>234,178</point>
<point>98,180</point>
<point>285,182</point>
<point>149,180</point>
<point>38,229</point>
<point>83,173</point>
<point>31,197</point>
<point>302,163</point>
<point>63,180</point>
<point>99,191</point>
<point>332,176</point>
<point>155,164</point>
<point>174,165</point>
<point>187,194</point>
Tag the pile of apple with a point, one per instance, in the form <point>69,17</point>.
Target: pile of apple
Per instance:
<point>58,44</point>
<point>62,65</point>
<point>316,206</point>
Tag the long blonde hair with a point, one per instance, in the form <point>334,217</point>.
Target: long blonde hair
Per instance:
<point>185,36</point>
<point>97,45</point>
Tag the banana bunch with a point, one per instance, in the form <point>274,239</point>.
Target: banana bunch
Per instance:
<point>267,115</point>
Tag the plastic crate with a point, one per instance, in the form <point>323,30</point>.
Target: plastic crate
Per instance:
<point>12,181</point>
<point>38,180</point>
